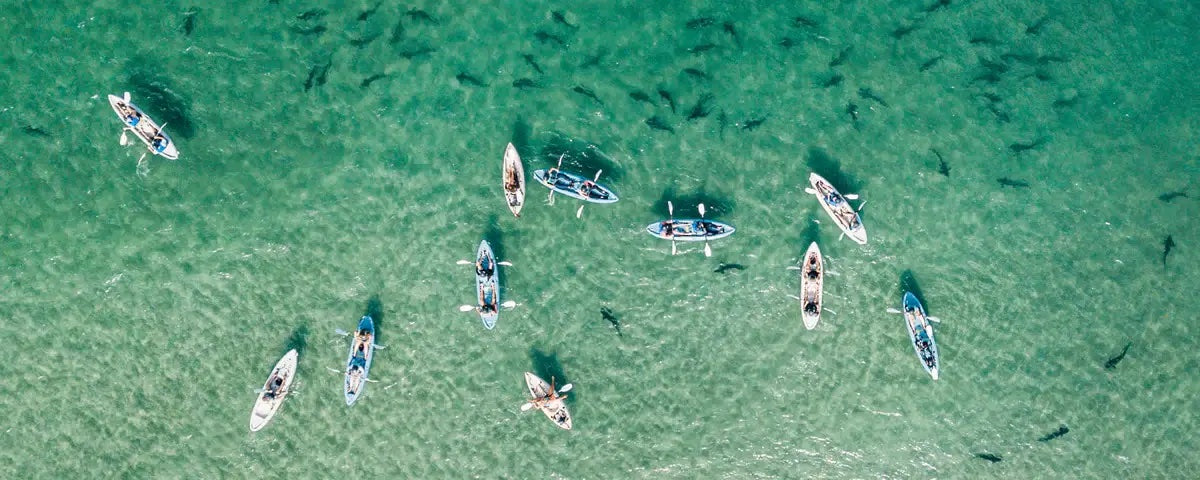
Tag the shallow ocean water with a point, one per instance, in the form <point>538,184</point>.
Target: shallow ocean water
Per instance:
<point>140,311</point>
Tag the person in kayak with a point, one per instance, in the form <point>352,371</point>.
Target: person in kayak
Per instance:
<point>132,116</point>
<point>274,389</point>
<point>159,142</point>
<point>668,229</point>
<point>552,176</point>
<point>585,189</point>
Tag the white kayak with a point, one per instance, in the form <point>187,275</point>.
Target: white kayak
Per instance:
<point>545,398</point>
<point>274,391</point>
<point>812,278</point>
<point>845,216</point>
<point>143,127</point>
<point>358,363</point>
<point>514,180</point>
<point>920,331</point>
<point>486,285</point>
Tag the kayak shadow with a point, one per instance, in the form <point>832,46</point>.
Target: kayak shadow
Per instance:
<point>298,341</point>
<point>520,135</point>
<point>581,156</point>
<point>546,365</point>
<point>823,164</point>
<point>908,283</point>
<point>375,311</point>
<point>687,205</point>
<point>152,93</point>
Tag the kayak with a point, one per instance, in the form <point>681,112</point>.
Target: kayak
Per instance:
<point>690,230</point>
<point>143,127</point>
<point>486,285</point>
<point>274,391</point>
<point>358,362</point>
<point>838,208</point>
<point>812,278</point>
<point>574,186</point>
<point>548,401</point>
<point>514,180</point>
<point>920,331</point>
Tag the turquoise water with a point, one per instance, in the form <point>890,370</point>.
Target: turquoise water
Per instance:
<point>142,306</point>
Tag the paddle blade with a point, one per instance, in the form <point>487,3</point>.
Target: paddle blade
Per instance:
<point>466,308</point>
<point>340,332</point>
<point>702,210</point>
<point>526,407</point>
<point>851,196</point>
<point>674,251</point>
<point>579,213</point>
<point>509,304</point>
<point>934,319</point>
<point>464,262</point>
<point>892,310</point>
<point>670,208</point>
<point>795,297</point>
<point>124,138</point>
<point>810,191</point>
<point>707,250</point>
<point>793,267</point>
<point>507,264</point>
<point>597,175</point>
<point>863,204</point>
<point>566,388</point>
<point>126,97</point>
<point>560,157</point>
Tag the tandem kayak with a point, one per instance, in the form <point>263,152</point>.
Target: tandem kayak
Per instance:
<point>358,363</point>
<point>835,204</point>
<point>920,331</point>
<point>143,127</point>
<point>812,279</point>
<point>486,285</point>
<point>574,186</point>
<point>545,398</point>
<point>690,230</point>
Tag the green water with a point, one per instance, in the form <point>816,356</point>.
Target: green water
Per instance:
<point>139,311</point>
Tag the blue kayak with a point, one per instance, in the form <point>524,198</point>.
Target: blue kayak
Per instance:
<point>920,331</point>
<point>358,363</point>
<point>574,186</point>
